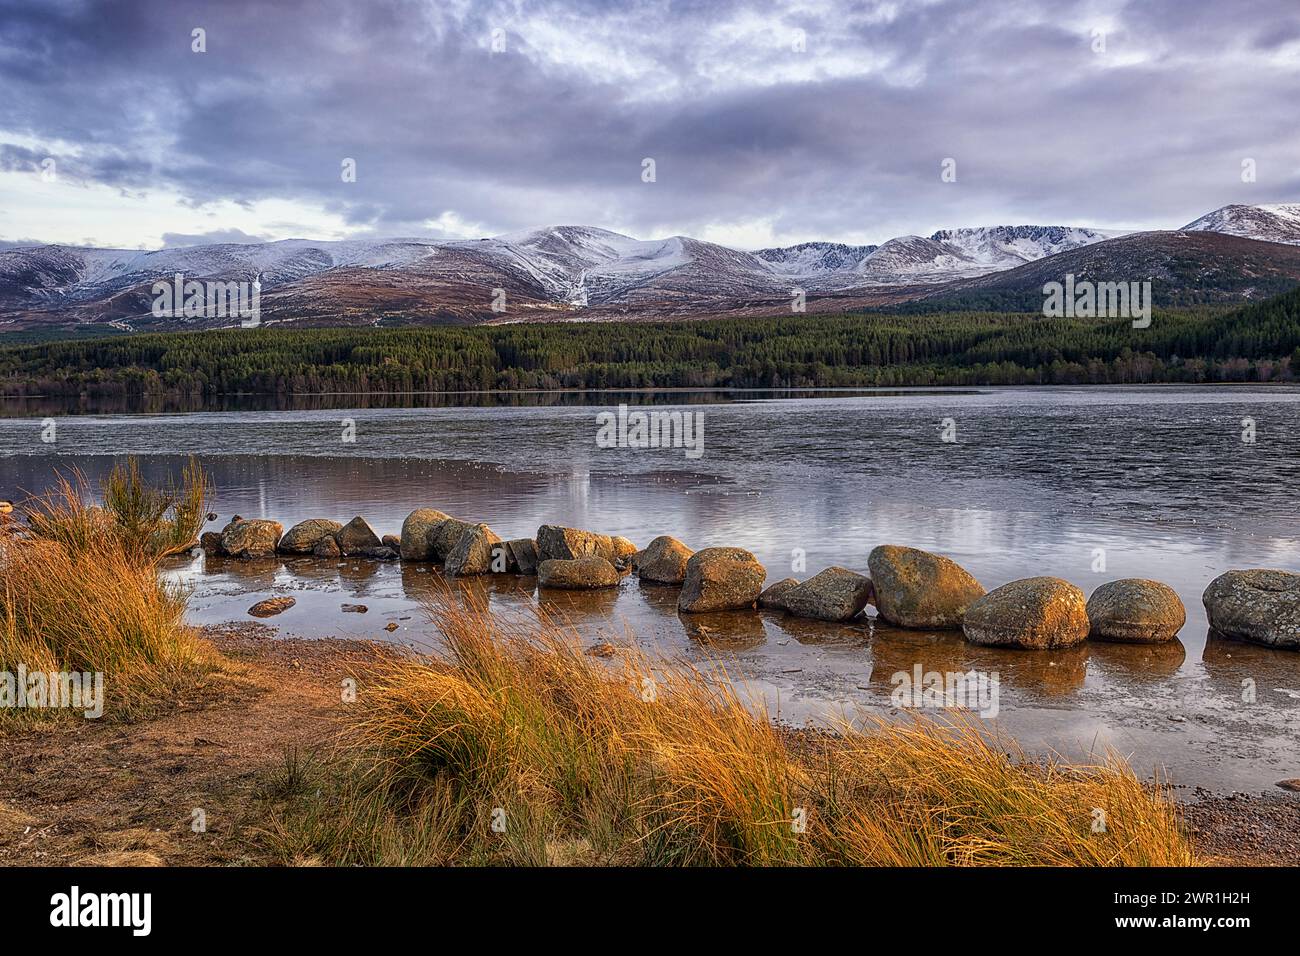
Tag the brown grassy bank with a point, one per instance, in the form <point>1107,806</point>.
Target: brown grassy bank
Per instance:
<point>514,747</point>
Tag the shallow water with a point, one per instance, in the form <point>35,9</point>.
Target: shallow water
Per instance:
<point>1154,482</point>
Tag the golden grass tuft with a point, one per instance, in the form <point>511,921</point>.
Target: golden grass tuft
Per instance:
<point>653,763</point>
<point>78,594</point>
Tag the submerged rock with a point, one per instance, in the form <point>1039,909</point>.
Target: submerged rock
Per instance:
<point>721,579</point>
<point>663,561</point>
<point>1260,606</point>
<point>582,573</point>
<point>473,551</point>
<point>357,537</point>
<point>1038,613</point>
<point>1135,611</point>
<point>416,542</point>
<point>252,538</point>
<point>915,588</point>
<point>210,542</point>
<point>774,596</point>
<point>355,609</point>
<point>303,537</point>
<point>272,606</point>
<point>835,594</point>
<point>565,544</point>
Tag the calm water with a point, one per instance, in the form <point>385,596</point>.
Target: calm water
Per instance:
<point>1155,482</point>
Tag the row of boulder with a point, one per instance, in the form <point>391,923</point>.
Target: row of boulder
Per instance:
<point>908,587</point>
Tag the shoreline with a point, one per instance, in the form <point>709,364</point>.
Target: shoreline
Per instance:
<point>123,794</point>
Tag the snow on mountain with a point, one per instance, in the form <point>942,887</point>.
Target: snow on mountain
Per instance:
<point>1272,222</point>
<point>814,258</point>
<point>1005,247</point>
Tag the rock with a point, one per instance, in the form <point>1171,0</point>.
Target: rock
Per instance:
<point>1290,785</point>
<point>303,537</point>
<point>835,594</point>
<point>721,579</point>
<point>392,542</point>
<point>663,561</point>
<point>565,544</point>
<point>624,549</point>
<point>521,556</point>
<point>582,573</point>
<point>915,588</point>
<point>416,542</point>
<point>210,542</point>
<point>473,552</point>
<point>601,650</point>
<point>271,606</point>
<point>447,535</point>
<point>327,547</point>
<point>774,596</point>
<point>381,553</point>
<point>1034,613</point>
<point>1135,611</point>
<point>355,609</point>
<point>391,626</point>
<point>357,536</point>
<point>1260,606</point>
<point>254,538</point>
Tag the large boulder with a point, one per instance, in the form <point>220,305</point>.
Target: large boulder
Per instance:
<point>303,537</point>
<point>582,573</point>
<point>915,588</point>
<point>721,579</point>
<point>473,552</point>
<point>1135,611</point>
<point>357,537</point>
<point>835,594</point>
<point>521,556</point>
<point>417,534</point>
<point>1260,606</point>
<point>447,535</point>
<point>250,538</point>
<point>663,561</point>
<point>1037,613</point>
<point>774,596</point>
<point>557,543</point>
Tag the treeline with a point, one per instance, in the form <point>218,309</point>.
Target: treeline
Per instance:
<point>1204,344</point>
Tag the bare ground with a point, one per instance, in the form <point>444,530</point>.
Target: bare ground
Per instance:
<point>125,794</point>
<point>95,792</point>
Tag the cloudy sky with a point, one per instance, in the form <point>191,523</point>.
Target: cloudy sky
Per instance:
<point>768,122</point>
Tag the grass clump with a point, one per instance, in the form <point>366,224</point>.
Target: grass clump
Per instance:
<point>514,747</point>
<point>80,592</point>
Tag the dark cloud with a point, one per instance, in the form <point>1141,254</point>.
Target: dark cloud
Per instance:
<point>843,140</point>
<point>215,237</point>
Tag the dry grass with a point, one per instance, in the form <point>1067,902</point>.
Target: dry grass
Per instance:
<point>148,521</point>
<point>585,765</point>
<point>79,594</point>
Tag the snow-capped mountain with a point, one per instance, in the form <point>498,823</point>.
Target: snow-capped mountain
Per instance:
<point>559,272</point>
<point>1273,222</point>
<point>1005,247</point>
<point>814,258</point>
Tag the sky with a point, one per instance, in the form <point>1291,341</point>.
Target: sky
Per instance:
<point>767,123</point>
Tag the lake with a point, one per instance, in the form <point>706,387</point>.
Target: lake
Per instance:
<point>1173,483</point>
